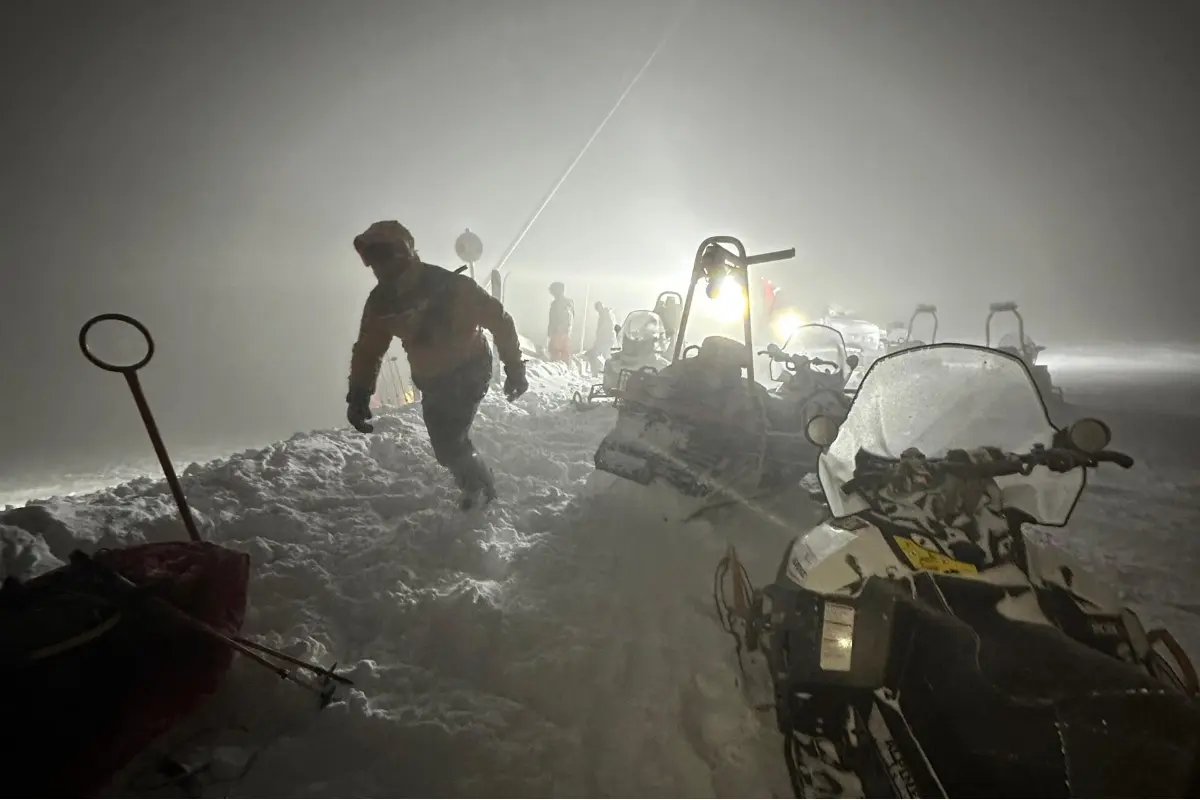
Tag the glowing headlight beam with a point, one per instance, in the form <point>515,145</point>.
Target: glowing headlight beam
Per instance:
<point>730,303</point>
<point>784,325</point>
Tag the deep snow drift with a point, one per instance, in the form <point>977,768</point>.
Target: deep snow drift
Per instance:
<point>562,643</point>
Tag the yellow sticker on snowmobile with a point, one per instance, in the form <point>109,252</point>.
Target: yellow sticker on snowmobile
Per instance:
<point>930,561</point>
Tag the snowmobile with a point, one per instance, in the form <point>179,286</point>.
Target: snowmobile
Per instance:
<point>107,653</point>
<point>813,385</point>
<point>863,337</point>
<point>1023,348</point>
<point>644,339</point>
<point>920,645</point>
<point>703,424</point>
<point>894,334</point>
<point>814,363</point>
<point>908,341</point>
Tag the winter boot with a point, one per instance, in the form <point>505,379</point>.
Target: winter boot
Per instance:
<point>476,481</point>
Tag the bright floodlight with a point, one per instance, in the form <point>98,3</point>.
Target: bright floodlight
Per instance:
<point>730,302</point>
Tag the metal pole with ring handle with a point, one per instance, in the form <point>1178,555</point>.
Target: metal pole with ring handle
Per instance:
<point>130,371</point>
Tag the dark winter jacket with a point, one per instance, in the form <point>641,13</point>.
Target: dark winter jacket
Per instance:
<point>439,317</point>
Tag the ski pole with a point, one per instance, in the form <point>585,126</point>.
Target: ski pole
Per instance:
<point>130,371</point>
<point>179,615</point>
<point>313,668</point>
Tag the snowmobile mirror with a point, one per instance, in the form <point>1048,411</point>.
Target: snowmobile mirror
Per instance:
<point>821,430</point>
<point>852,361</point>
<point>1089,435</point>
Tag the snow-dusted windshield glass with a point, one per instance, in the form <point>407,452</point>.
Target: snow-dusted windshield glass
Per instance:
<point>817,341</point>
<point>642,325</point>
<point>943,397</point>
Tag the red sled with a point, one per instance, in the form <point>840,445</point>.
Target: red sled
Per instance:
<point>94,671</point>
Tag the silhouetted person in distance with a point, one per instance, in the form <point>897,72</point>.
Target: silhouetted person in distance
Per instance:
<point>438,315</point>
<point>562,322</point>
<point>606,337</point>
<point>669,310</point>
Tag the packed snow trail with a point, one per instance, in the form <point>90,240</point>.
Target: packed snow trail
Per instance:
<point>561,643</point>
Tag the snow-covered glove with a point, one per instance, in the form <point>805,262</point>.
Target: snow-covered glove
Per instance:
<point>515,382</point>
<point>358,411</point>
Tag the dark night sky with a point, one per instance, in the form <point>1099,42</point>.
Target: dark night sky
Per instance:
<point>204,165</point>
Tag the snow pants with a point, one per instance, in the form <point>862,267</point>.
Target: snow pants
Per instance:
<point>560,347</point>
<point>449,404</point>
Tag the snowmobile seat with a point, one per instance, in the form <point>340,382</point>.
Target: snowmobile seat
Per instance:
<point>724,358</point>
<point>687,400</point>
<point>1014,709</point>
<point>707,390</point>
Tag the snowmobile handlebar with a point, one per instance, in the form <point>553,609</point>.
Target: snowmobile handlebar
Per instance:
<point>877,471</point>
<point>776,354</point>
<point>1056,459</point>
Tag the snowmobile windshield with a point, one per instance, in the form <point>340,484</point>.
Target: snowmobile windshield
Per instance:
<point>944,397</point>
<point>642,326</point>
<point>818,341</point>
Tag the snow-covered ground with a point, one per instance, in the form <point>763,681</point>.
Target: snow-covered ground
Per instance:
<point>15,491</point>
<point>1139,526</point>
<point>562,643</point>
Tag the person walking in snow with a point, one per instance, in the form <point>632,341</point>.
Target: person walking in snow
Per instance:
<point>562,322</point>
<point>438,315</point>
<point>605,339</point>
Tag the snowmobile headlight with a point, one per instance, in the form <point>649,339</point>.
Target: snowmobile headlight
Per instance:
<point>729,299</point>
<point>821,430</point>
<point>716,270</point>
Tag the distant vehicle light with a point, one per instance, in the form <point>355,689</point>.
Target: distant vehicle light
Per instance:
<point>785,324</point>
